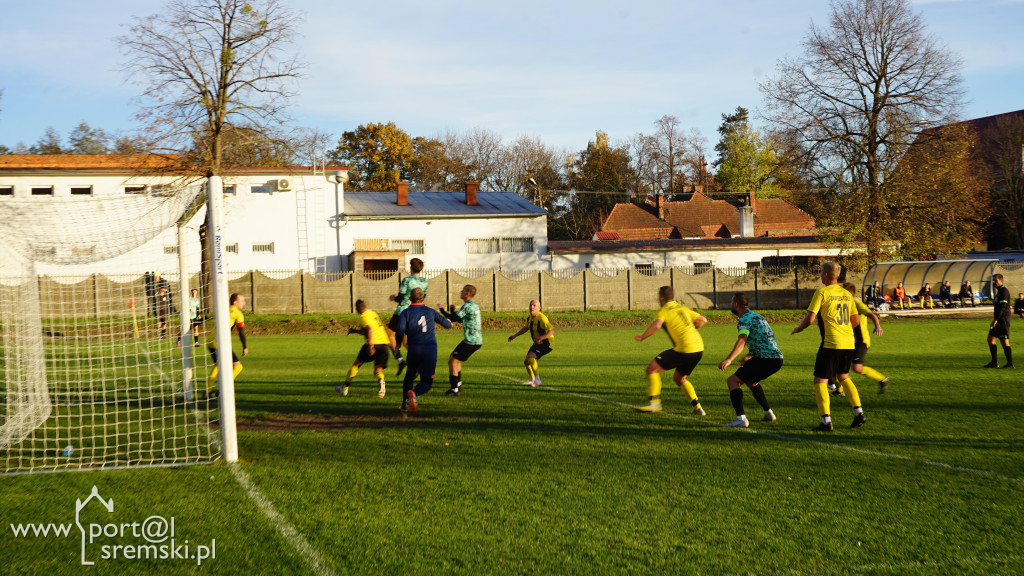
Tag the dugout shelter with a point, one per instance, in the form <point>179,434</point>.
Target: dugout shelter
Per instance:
<point>914,275</point>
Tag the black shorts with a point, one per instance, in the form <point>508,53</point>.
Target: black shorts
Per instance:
<point>860,353</point>
<point>213,352</point>
<point>379,356</point>
<point>464,350</point>
<point>196,322</point>
<point>757,369</point>
<point>540,350</point>
<point>1001,330</point>
<point>683,362</point>
<point>393,324</point>
<point>831,362</point>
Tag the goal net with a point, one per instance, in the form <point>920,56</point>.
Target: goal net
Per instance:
<point>99,366</point>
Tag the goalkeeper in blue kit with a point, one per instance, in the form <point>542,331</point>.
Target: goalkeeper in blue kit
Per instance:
<point>416,329</point>
<point>472,337</point>
<point>409,283</point>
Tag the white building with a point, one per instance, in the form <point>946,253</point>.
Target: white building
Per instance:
<point>284,218</point>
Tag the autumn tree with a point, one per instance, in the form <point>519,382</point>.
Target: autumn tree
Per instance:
<point>378,156</point>
<point>864,88</point>
<point>1003,146</point>
<point>599,176</point>
<point>48,143</point>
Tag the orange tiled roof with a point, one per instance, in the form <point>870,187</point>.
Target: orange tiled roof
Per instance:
<point>107,162</point>
<point>701,217</point>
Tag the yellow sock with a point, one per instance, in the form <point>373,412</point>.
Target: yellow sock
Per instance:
<point>821,395</point>
<point>379,373</point>
<point>212,380</point>
<point>531,368</point>
<point>653,385</point>
<point>690,393</point>
<point>851,392</point>
<point>352,371</point>
<point>873,374</point>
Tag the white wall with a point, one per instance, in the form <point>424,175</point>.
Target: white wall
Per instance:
<point>277,216</point>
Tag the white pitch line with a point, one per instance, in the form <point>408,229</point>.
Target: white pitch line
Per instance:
<point>293,536</point>
<point>925,461</point>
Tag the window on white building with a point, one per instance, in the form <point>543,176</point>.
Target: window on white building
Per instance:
<point>263,248</point>
<point>135,189</point>
<point>701,267</point>
<point>645,269</point>
<point>81,190</point>
<point>411,246</point>
<point>42,190</point>
<point>261,189</point>
<point>484,245</point>
<point>6,190</point>
<point>231,248</point>
<point>170,249</point>
<point>517,244</point>
<point>230,189</point>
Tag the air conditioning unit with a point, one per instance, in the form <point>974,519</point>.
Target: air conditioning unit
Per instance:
<point>284,184</point>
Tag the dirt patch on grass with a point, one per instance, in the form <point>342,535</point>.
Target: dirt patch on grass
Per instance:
<point>328,423</point>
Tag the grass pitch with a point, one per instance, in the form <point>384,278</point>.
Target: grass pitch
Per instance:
<point>568,479</point>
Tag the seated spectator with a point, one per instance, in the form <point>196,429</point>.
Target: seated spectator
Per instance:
<point>966,294</point>
<point>873,295</point>
<point>925,296</point>
<point>899,295</point>
<point>946,294</point>
<point>1018,305</point>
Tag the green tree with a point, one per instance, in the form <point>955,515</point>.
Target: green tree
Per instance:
<point>730,124</point>
<point>85,139</point>
<point>747,162</point>
<point>864,88</point>
<point>378,156</point>
<point>599,176</point>
<point>48,143</point>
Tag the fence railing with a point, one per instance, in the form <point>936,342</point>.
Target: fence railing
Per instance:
<point>635,288</point>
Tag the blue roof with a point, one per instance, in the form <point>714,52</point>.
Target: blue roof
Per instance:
<point>373,205</point>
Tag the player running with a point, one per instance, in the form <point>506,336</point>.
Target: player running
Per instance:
<point>543,335</point>
<point>472,337</point>
<point>416,328</point>
<point>376,348</point>
<point>999,329</point>
<point>862,341</point>
<point>409,283</point>
<point>764,360</point>
<point>237,320</point>
<point>837,318</point>
<point>681,324</point>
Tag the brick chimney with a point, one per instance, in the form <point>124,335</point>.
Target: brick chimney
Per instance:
<point>751,200</point>
<point>403,194</point>
<point>659,205</point>
<point>471,193</point>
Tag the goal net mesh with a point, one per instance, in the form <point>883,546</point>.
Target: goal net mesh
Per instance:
<point>92,372</point>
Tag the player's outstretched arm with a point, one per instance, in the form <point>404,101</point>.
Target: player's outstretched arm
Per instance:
<point>737,349</point>
<point>441,319</point>
<point>807,321</point>
<point>654,327</point>
<point>518,334</point>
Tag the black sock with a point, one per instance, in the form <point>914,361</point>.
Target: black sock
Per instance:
<point>758,393</point>
<point>1009,354</point>
<point>736,395</point>
<point>453,380</point>
<point>992,348</point>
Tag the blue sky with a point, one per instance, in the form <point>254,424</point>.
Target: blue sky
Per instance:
<point>557,69</point>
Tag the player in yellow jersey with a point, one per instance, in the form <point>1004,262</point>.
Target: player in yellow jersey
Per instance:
<point>376,348</point>
<point>837,318</point>
<point>862,337</point>
<point>542,333</point>
<point>238,323</point>
<point>681,324</point>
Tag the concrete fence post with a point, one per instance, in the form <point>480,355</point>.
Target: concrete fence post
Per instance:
<point>494,290</point>
<point>252,290</point>
<point>540,287</point>
<point>629,288</point>
<point>585,301</point>
<point>796,286</point>
<point>714,287</point>
<point>302,291</point>
<point>757,293</point>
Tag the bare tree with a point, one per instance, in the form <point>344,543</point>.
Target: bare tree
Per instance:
<point>865,87</point>
<point>209,64</point>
